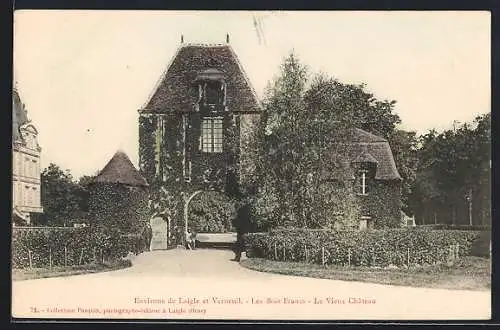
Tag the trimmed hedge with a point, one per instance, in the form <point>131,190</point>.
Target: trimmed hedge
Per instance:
<point>455,227</point>
<point>83,246</point>
<point>397,247</point>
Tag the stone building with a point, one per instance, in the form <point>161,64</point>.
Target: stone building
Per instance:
<point>25,165</point>
<point>194,135</point>
<point>368,167</point>
<point>194,128</point>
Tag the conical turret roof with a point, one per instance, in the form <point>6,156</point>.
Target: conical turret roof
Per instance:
<point>121,170</point>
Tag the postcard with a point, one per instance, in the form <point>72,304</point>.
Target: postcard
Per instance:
<point>239,165</point>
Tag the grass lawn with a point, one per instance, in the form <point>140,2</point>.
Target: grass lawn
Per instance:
<point>34,273</point>
<point>470,273</point>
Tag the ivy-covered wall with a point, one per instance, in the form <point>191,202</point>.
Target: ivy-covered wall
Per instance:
<point>382,204</point>
<point>182,167</point>
<point>119,207</point>
<point>208,170</point>
<point>147,131</point>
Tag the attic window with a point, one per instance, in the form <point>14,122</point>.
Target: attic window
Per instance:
<point>211,88</point>
<point>213,93</point>
<point>211,135</point>
<point>365,222</point>
<point>365,167</point>
<point>361,182</point>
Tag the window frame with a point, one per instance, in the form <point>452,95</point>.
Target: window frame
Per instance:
<point>363,183</point>
<point>212,135</point>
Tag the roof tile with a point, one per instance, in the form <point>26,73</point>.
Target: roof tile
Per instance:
<point>121,170</point>
<point>173,92</point>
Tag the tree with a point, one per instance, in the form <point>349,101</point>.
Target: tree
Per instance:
<point>352,106</point>
<point>83,193</point>
<point>59,196</point>
<point>296,124</point>
<point>404,146</point>
<point>452,165</point>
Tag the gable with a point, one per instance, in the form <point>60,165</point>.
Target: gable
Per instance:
<point>174,91</point>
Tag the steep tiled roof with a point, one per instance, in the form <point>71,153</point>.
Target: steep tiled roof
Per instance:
<point>174,93</point>
<point>359,135</point>
<point>365,157</point>
<point>19,116</point>
<point>364,146</point>
<point>121,170</point>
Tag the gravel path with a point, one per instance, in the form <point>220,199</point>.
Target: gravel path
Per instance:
<point>174,285</point>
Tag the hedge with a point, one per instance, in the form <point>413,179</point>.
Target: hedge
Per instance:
<point>396,247</point>
<point>50,246</point>
<point>455,227</point>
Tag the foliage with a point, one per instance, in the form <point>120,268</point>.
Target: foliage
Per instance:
<point>296,157</point>
<point>452,165</point>
<point>64,200</point>
<point>211,212</point>
<point>83,192</point>
<point>383,204</point>
<point>362,248</point>
<point>82,246</point>
<point>351,105</point>
<point>118,207</point>
<point>404,146</point>
<point>59,195</point>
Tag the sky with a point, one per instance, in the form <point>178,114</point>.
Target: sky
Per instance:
<point>84,74</point>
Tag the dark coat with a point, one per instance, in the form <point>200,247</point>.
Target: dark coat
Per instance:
<point>242,221</point>
<point>242,224</point>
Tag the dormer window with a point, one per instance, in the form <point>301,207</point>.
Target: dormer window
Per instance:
<point>211,90</point>
<point>214,93</point>
<point>365,167</point>
<point>361,183</point>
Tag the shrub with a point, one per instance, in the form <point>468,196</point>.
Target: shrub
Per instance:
<point>70,246</point>
<point>399,247</point>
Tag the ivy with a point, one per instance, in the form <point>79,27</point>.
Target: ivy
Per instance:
<point>117,206</point>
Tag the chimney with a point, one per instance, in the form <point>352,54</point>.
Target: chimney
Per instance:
<point>182,38</point>
<point>227,38</point>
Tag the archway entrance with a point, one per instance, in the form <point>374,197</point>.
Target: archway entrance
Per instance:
<point>213,229</point>
<point>160,233</point>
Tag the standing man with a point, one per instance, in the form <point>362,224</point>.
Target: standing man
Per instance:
<point>149,236</point>
<point>242,223</point>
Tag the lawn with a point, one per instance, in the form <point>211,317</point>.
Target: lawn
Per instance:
<point>34,273</point>
<point>470,273</point>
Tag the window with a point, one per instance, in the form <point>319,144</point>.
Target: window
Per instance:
<point>211,135</point>
<point>187,175</point>
<point>361,183</point>
<point>212,93</point>
<point>365,223</point>
<point>34,200</point>
<point>29,196</point>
